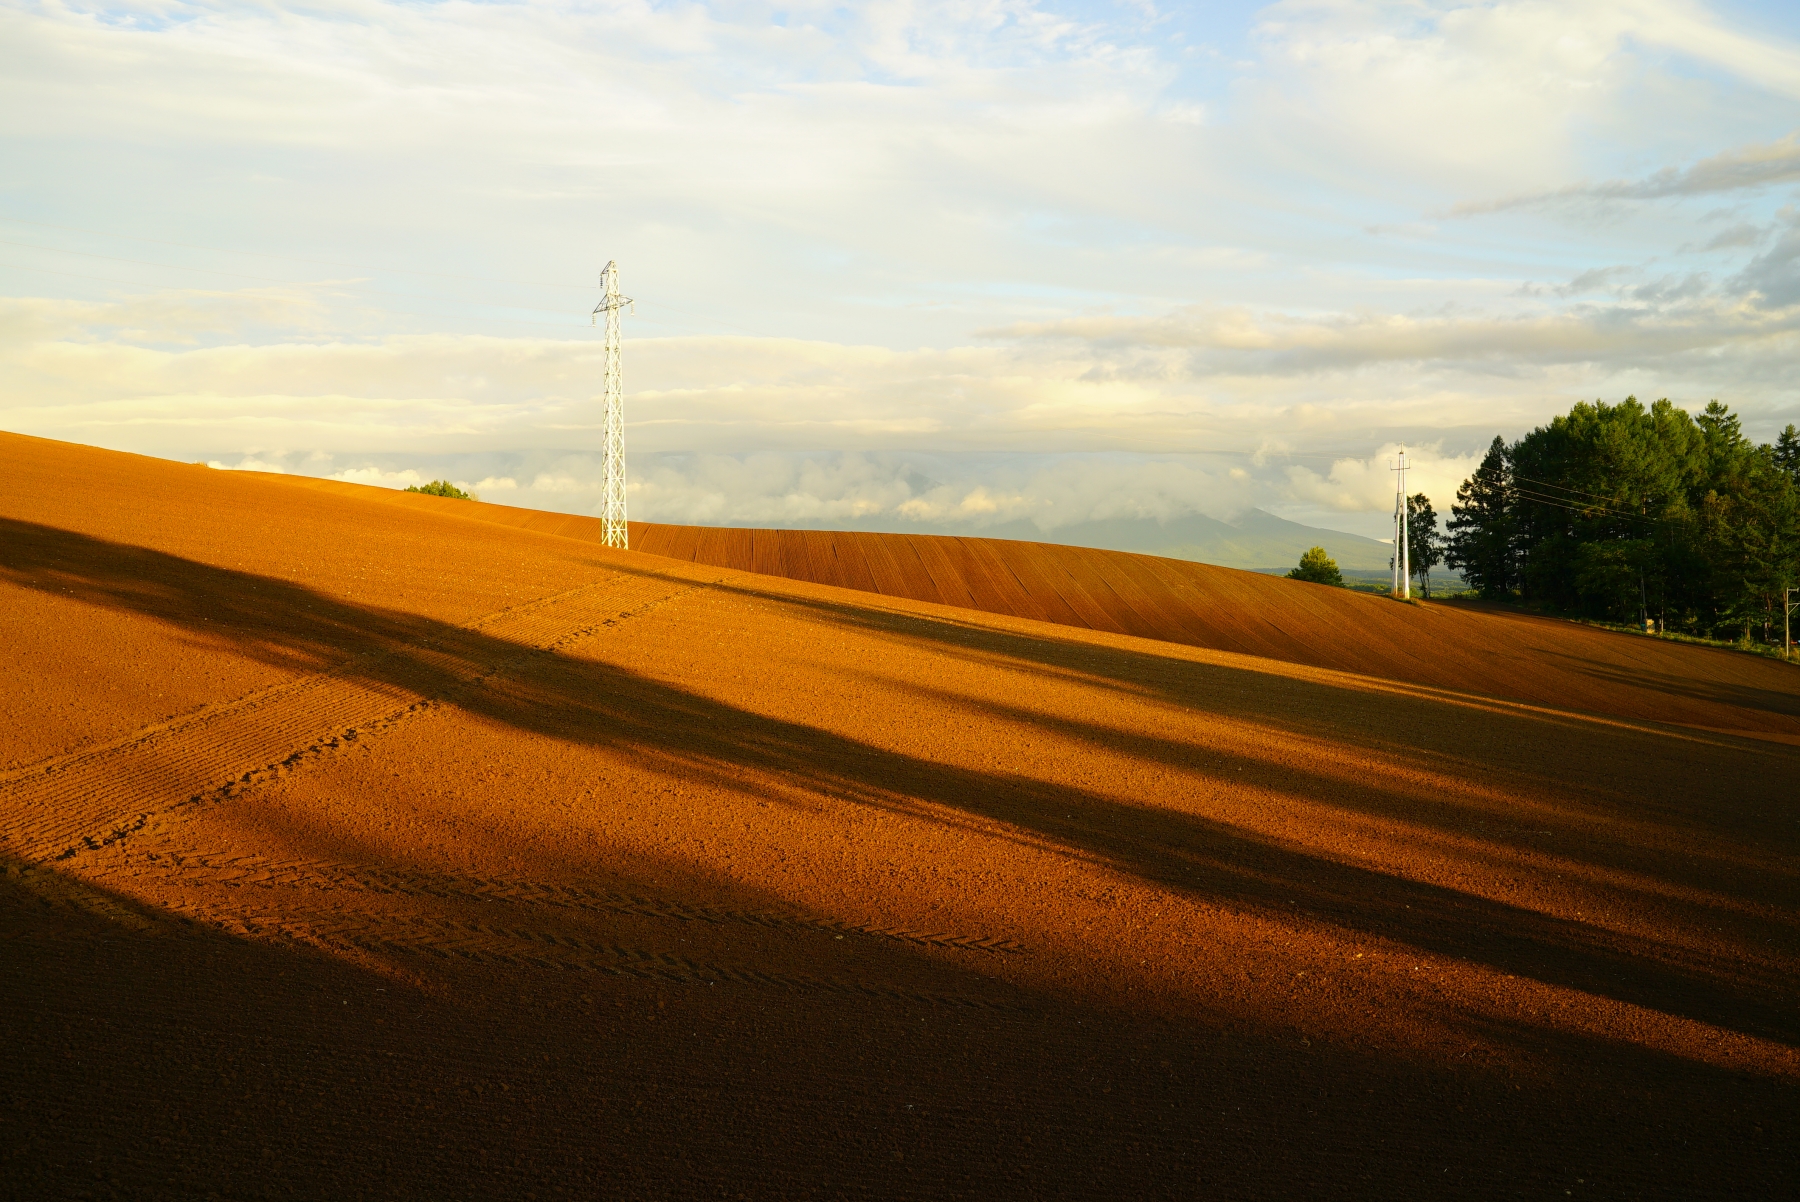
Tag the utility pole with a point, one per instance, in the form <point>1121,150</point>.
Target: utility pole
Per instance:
<point>1394,559</point>
<point>1402,539</point>
<point>1787,614</point>
<point>613,530</point>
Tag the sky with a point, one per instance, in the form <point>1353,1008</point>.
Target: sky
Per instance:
<point>939,263</point>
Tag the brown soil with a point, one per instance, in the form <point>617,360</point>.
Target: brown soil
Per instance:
<point>356,848</point>
<point>1459,646</point>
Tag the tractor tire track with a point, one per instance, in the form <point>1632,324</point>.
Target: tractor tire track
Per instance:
<point>452,942</point>
<point>322,877</point>
<point>99,795</point>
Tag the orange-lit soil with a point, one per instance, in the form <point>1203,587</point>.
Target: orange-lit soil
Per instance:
<point>356,848</point>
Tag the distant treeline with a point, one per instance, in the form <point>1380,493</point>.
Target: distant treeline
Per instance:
<point>1623,512</point>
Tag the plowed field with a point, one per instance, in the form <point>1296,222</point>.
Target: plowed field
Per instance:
<point>357,847</point>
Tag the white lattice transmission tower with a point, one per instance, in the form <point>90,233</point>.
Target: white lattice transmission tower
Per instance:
<point>613,531</point>
<point>1402,530</point>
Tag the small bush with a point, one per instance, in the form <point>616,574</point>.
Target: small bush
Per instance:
<point>440,488</point>
<point>1318,568</point>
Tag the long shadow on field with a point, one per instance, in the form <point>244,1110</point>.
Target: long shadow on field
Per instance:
<point>1726,692</point>
<point>695,737</point>
<point>701,739</point>
<point>1361,788</point>
<point>1201,606</point>
<point>152,1056</point>
<point>1708,688</point>
<point>148,1058</point>
<point>1469,737</point>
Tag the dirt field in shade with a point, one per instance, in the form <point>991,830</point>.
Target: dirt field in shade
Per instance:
<point>355,847</point>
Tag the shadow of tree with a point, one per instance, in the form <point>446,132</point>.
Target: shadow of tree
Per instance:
<point>585,701</point>
<point>181,1061</point>
<point>1728,692</point>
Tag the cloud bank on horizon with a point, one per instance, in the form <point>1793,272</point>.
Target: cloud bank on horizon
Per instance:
<point>985,259</point>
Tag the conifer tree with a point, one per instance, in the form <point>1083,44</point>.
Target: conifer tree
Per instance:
<point>1787,453</point>
<point>1627,512</point>
<point>1481,536</point>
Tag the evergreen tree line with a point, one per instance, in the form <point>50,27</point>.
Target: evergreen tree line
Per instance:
<point>1622,512</point>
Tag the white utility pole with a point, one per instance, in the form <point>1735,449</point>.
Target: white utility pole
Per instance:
<point>1402,541</point>
<point>613,530</point>
<point>1787,617</point>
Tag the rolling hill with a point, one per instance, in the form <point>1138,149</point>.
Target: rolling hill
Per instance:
<point>362,845</point>
<point>1256,540</point>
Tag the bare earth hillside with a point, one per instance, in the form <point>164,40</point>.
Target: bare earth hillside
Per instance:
<point>1454,647</point>
<point>368,846</point>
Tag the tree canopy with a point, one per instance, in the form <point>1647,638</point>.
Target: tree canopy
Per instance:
<point>1481,539</point>
<point>1424,545</point>
<point>1317,567</point>
<point>1625,512</point>
<point>441,488</point>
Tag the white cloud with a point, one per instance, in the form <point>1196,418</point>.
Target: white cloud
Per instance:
<point>380,479</point>
<point>1198,379</point>
<point>1741,168</point>
<point>545,482</point>
<point>771,489</point>
<point>248,463</point>
<point>868,231</point>
<point>970,490</point>
<point>1369,485</point>
<point>1479,96</point>
<point>1238,340</point>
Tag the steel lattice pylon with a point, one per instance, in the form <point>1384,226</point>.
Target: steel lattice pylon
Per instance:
<point>1402,562</point>
<point>613,531</point>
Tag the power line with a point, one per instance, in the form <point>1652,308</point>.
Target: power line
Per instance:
<point>264,254</point>
<point>525,321</point>
<point>107,279</point>
<point>1351,455</point>
<point>88,254</point>
<point>318,263</point>
<point>1537,498</point>
<point>1563,487</point>
<point>1266,453</point>
<point>1354,456</point>
<point>1334,456</point>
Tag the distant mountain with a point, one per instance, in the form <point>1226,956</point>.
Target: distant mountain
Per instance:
<point>1258,540</point>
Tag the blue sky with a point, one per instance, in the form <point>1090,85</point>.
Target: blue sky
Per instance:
<point>1250,248</point>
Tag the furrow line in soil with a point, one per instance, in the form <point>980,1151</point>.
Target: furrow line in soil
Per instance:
<point>237,871</point>
<point>98,796</point>
<point>570,955</point>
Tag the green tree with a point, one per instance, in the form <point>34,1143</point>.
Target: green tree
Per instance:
<point>1749,524</point>
<point>441,488</point>
<point>1606,474</point>
<point>1724,433</point>
<point>1424,545</point>
<point>1627,511</point>
<point>1787,453</point>
<point>1317,567</point>
<point>1481,528</point>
